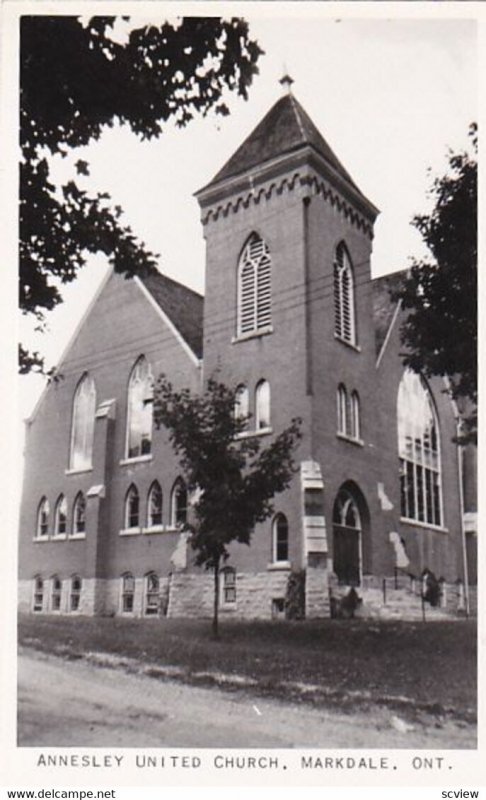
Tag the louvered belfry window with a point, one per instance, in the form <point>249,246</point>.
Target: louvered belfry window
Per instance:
<point>345,327</point>
<point>254,287</point>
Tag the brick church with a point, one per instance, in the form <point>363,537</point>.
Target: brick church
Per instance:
<point>293,318</point>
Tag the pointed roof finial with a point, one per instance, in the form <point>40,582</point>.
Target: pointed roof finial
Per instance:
<point>286,82</point>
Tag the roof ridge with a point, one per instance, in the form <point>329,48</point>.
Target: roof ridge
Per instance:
<point>295,106</point>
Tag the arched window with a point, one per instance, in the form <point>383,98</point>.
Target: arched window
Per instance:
<point>262,405</point>
<point>342,409</point>
<point>128,593</point>
<point>178,514</point>
<point>419,452</point>
<point>38,594</point>
<point>280,537</point>
<point>242,403</point>
<point>56,591</point>
<point>154,505</point>
<point>344,315</point>
<point>254,287</point>
<point>355,416</point>
<point>347,539</point>
<point>60,517</point>
<point>132,508</point>
<point>79,515</point>
<point>75,593</point>
<point>228,586</point>
<point>152,591</point>
<point>42,531</point>
<point>83,420</point>
<point>140,409</point>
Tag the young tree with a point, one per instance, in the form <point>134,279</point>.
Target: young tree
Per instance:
<point>76,80</point>
<point>440,332</point>
<point>232,478</point>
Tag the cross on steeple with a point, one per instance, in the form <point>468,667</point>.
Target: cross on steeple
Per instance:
<point>287,82</point>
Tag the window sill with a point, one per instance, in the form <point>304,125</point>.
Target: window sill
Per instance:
<point>428,526</point>
<point>136,460</point>
<point>41,539</point>
<point>154,529</point>
<point>350,439</point>
<point>351,345</point>
<point>243,337</point>
<point>79,471</point>
<point>252,434</point>
<point>279,565</point>
<point>77,536</point>
<point>60,537</point>
<point>130,531</point>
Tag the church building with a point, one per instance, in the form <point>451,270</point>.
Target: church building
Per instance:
<point>292,316</point>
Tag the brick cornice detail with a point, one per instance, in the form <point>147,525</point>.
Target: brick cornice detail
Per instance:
<point>305,184</point>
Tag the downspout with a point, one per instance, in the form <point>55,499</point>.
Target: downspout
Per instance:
<point>460,463</point>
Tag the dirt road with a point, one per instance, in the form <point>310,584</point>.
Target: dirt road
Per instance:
<point>73,703</point>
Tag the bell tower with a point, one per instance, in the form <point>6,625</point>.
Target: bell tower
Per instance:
<point>287,301</point>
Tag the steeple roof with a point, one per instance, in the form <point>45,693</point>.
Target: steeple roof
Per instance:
<point>285,129</point>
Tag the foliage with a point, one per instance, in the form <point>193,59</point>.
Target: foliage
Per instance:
<point>440,333</point>
<point>231,477</point>
<point>295,595</point>
<point>76,81</point>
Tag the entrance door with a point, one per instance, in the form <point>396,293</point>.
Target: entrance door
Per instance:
<point>347,539</point>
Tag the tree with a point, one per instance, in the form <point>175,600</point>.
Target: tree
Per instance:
<point>440,333</point>
<point>76,80</point>
<point>231,477</point>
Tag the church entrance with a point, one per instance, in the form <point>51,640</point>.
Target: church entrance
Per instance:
<point>347,542</point>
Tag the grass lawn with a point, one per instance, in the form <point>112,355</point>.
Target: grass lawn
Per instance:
<point>427,663</point>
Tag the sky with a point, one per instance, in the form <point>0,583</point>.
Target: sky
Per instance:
<point>390,97</point>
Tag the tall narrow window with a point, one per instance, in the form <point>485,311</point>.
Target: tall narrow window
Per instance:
<point>75,593</point>
<point>342,409</point>
<point>79,515</point>
<point>280,545</point>
<point>344,315</point>
<point>82,430</point>
<point>128,593</point>
<point>132,508</point>
<point>242,403</point>
<point>152,591</point>
<point>56,591</point>
<point>38,594</point>
<point>355,416</point>
<point>42,530</point>
<point>179,504</point>
<point>228,586</point>
<point>154,509</point>
<point>262,405</point>
<point>419,452</point>
<point>60,517</point>
<point>347,539</point>
<point>140,409</point>
<point>254,287</point>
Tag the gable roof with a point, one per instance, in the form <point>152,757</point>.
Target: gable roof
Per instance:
<point>182,306</point>
<point>384,308</point>
<point>285,129</point>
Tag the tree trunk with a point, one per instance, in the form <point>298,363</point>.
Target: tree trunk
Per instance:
<point>215,628</point>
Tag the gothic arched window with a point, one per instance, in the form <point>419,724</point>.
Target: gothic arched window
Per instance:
<point>154,505</point>
<point>83,420</point>
<point>140,409</point>
<point>419,452</point>
<point>42,530</point>
<point>344,315</point>
<point>242,403</point>
<point>342,409</point>
<point>132,508</point>
<point>280,543</point>
<point>254,287</point>
<point>60,517</point>
<point>178,504</point>
<point>262,405</point>
<point>355,416</point>
<point>79,515</point>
